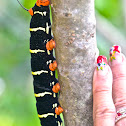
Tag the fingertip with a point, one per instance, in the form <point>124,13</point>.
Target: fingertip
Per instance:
<point>102,78</point>
<point>102,68</point>
<point>116,57</point>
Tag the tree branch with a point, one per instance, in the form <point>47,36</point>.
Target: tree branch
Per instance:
<point>74,31</point>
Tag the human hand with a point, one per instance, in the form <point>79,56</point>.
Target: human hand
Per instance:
<point>109,90</point>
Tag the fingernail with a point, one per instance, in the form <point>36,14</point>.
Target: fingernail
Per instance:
<point>101,62</point>
<point>113,50</point>
<point>115,56</point>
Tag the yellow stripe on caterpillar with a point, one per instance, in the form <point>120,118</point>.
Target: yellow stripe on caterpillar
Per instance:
<point>41,28</point>
<point>54,95</point>
<point>39,72</point>
<point>55,116</point>
<point>41,13</point>
<point>36,51</point>
<point>48,52</point>
<point>45,115</point>
<point>47,28</point>
<point>36,29</point>
<point>43,94</point>
<point>51,73</point>
<point>59,124</point>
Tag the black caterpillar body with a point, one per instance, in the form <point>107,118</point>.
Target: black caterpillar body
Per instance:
<point>41,60</point>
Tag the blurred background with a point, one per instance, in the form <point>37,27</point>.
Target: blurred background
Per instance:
<point>17,102</point>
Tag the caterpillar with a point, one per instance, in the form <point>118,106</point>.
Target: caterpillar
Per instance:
<point>43,65</point>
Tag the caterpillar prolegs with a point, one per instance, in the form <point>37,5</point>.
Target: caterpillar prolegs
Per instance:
<point>43,65</point>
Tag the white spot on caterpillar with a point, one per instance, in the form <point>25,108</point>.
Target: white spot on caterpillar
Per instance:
<point>48,62</point>
<point>45,41</point>
<point>45,115</point>
<point>41,13</point>
<point>54,105</point>
<point>36,51</point>
<point>39,72</point>
<point>52,83</point>
<point>43,94</point>
<point>44,13</point>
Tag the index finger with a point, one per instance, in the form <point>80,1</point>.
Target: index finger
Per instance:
<point>103,106</point>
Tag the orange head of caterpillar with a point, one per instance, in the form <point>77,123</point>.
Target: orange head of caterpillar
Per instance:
<point>58,110</point>
<point>56,88</point>
<point>42,2</point>
<point>50,45</point>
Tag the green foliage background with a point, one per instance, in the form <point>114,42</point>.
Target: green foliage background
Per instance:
<point>17,102</point>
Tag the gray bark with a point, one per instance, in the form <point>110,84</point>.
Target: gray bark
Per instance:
<point>74,32</point>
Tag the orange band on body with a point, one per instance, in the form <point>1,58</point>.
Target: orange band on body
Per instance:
<point>42,2</point>
<point>53,66</point>
<point>50,45</point>
<point>58,110</point>
<point>56,88</point>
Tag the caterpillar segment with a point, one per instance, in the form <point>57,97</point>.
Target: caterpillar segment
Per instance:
<point>43,94</point>
<point>46,91</point>
<point>38,50</point>
<point>58,111</point>
<point>46,29</point>
<point>50,45</point>
<point>51,114</point>
<point>40,46</point>
<point>43,65</point>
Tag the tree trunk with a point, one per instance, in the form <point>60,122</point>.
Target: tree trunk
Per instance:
<point>74,32</point>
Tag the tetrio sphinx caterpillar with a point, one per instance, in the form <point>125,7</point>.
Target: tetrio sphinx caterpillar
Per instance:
<point>43,65</point>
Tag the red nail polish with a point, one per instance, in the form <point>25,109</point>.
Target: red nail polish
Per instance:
<point>101,62</point>
<point>114,49</point>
